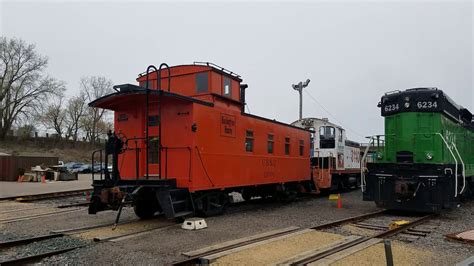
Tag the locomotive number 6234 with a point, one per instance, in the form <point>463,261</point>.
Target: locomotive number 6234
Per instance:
<point>391,107</point>
<point>427,105</point>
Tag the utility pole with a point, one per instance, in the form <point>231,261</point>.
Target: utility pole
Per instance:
<point>299,87</point>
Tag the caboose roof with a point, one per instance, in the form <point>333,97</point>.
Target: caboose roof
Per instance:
<point>123,92</point>
<point>196,67</point>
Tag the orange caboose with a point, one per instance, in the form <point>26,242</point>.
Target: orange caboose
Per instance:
<point>201,145</point>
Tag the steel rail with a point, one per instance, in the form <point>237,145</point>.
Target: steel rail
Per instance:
<point>383,234</point>
<point>34,216</point>
<point>28,240</point>
<point>51,195</point>
<point>36,257</point>
<point>196,259</point>
<point>33,258</point>
<point>349,220</point>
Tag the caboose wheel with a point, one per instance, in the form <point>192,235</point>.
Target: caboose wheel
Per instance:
<point>213,203</point>
<point>146,203</point>
<point>145,209</point>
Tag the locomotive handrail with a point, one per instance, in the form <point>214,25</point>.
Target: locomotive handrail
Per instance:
<point>362,167</point>
<point>455,160</point>
<point>463,168</point>
<point>364,158</point>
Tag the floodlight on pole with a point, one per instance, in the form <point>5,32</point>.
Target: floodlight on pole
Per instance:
<point>299,87</point>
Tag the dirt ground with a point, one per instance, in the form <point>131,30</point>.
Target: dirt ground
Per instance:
<point>166,245</point>
<point>67,152</point>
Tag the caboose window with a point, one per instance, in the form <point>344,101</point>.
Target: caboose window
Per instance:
<point>301,147</point>
<point>287,146</point>
<point>249,141</point>
<point>201,82</point>
<point>153,120</point>
<point>270,143</point>
<point>153,151</point>
<point>227,87</point>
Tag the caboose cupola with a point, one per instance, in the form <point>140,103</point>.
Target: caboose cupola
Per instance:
<point>201,80</point>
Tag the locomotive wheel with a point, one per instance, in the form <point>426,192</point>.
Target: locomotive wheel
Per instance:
<point>213,203</point>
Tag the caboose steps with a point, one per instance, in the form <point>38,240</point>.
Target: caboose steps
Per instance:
<point>175,203</point>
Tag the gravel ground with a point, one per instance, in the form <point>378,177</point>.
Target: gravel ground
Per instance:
<point>40,247</point>
<point>166,245</point>
<point>403,254</point>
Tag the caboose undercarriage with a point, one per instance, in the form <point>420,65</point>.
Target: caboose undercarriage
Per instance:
<point>414,187</point>
<point>162,196</point>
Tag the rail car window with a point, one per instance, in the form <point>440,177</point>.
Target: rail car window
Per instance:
<point>202,82</point>
<point>327,137</point>
<point>301,147</point>
<point>227,87</point>
<point>287,146</point>
<point>153,120</point>
<point>270,143</point>
<point>249,141</point>
<point>153,151</point>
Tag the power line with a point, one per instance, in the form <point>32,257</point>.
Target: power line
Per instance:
<point>335,119</point>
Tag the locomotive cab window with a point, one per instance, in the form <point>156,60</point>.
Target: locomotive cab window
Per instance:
<point>327,137</point>
<point>287,146</point>
<point>202,82</point>
<point>227,87</point>
<point>270,143</point>
<point>249,141</point>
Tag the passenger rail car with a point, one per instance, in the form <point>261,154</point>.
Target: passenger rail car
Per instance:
<point>427,163</point>
<point>182,141</point>
<point>335,160</point>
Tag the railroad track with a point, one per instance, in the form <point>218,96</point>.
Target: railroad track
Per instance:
<point>18,243</point>
<point>323,253</point>
<point>43,196</point>
<point>40,215</point>
<point>210,254</point>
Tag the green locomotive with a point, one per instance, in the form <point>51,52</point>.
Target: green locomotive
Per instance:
<point>425,160</point>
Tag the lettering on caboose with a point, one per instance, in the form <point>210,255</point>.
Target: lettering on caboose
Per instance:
<point>227,125</point>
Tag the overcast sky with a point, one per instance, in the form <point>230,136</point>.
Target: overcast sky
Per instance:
<point>353,52</point>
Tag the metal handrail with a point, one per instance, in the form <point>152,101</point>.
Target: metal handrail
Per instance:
<point>217,67</point>
<point>364,158</point>
<point>100,161</point>
<point>362,166</point>
<point>463,168</point>
<point>456,161</point>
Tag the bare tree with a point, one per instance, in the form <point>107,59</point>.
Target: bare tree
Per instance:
<point>22,83</point>
<point>93,88</point>
<point>75,110</point>
<point>53,115</point>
